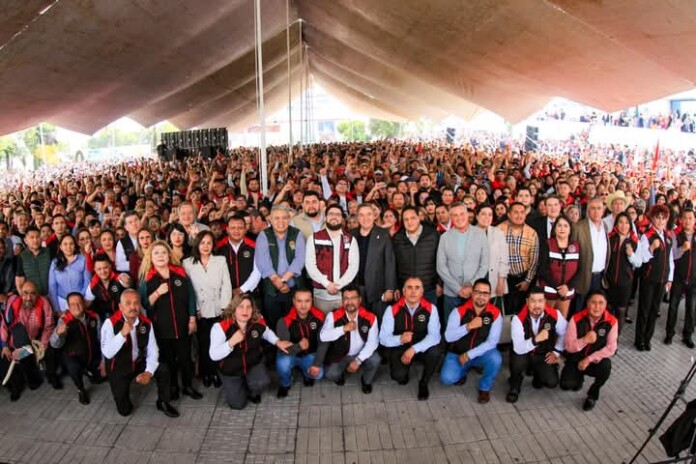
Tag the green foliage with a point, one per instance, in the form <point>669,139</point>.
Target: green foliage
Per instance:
<point>381,129</point>
<point>353,130</point>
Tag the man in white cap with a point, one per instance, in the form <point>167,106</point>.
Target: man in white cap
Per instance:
<point>616,202</point>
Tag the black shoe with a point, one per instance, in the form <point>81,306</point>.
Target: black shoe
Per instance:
<point>668,340</point>
<point>191,392</point>
<point>83,397</point>
<point>207,381</point>
<point>256,399</point>
<point>56,383</point>
<point>536,383</point>
<point>589,404</point>
<point>283,392</point>
<point>174,393</point>
<point>308,382</point>
<point>423,392</point>
<point>341,381</point>
<point>640,347</point>
<point>167,409</point>
<point>461,381</point>
<point>217,382</point>
<point>403,382</point>
<point>689,343</point>
<point>647,346</point>
<point>628,320</point>
<point>512,397</point>
<point>366,388</point>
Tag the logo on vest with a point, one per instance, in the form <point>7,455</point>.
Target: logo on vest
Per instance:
<point>421,318</point>
<point>142,329</point>
<point>93,323</point>
<point>254,334</point>
<point>571,249</point>
<point>291,244</point>
<point>246,254</point>
<point>365,329</point>
<point>178,282</point>
<point>114,289</point>
<point>547,326</point>
<point>602,332</point>
<point>313,325</point>
<point>486,320</point>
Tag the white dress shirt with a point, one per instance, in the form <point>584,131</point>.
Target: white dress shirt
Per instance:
<point>111,344</point>
<point>122,264</point>
<point>599,246</point>
<point>523,345</point>
<point>254,278</point>
<point>388,339</point>
<point>220,349</point>
<point>362,350</point>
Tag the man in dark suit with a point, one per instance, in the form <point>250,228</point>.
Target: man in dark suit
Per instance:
<point>376,277</point>
<point>543,224</point>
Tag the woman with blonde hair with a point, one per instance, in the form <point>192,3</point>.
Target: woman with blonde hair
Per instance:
<point>170,302</point>
<point>237,344</point>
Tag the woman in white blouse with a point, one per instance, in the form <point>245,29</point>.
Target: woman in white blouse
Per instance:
<point>498,253</point>
<point>211,282</point>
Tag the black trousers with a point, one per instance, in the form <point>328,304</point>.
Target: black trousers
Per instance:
<point>649,300</point>
<point>430,358</point>
<point>176,354</point>
<point>674,300</point>
<point>572,378</point>
<point>75,367</point>
<point>120,383</point>
<point>238,389</point>
<point>544,374</point>
<point>26,371</point>
<point>206,366</point>
<point>275,307</point>
<point>515,299</point>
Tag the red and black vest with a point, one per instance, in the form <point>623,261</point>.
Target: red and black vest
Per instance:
<point>476,336</point>
<point>324,250</point>
<point>308,328</point>
<point>170,313</point>
<point>548,321</point>
<point>339,348</point>
<point>563,265</point>
<point>123,361</point>
<point>239,263</point>
<point>602,328</point>
<point>685,266</point>
<point>106,298</point>
<point>82,339</point>
<point>247,353</point>
<point>657,269</point>
<point>619,268</point>
<point>418,323</point>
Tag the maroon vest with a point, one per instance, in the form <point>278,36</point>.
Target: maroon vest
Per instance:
<point>323,248</point>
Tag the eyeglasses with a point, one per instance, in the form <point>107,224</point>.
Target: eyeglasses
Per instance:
<point>481,292</point>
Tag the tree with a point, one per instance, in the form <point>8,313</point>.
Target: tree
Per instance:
<point>353,130</point>
<point>382,129</point>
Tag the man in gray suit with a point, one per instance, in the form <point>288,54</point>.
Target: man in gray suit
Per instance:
<point>376,277</point>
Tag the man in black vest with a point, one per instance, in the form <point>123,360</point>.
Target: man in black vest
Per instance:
<point>239,253</point>
<point>352,336</point>
<point>473,333</point>
<point>129,243</point>
<point>77,333</point>
<point>684,279</point>
<point>280,258</point>
<point>130,351</point>
<point>590,342</point>
<point>411,332</point>
<point>301,327</point>
<point>538,333</point>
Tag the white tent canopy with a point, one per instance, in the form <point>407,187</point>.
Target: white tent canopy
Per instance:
<point>84,63</point>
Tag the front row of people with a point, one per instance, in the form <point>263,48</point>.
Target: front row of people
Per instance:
<point>346,340</point>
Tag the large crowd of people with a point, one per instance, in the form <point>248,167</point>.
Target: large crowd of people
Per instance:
<point>682,121</point>
<point>361,254</point>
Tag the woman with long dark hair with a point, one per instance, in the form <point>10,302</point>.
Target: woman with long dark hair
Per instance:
<point>211,283</point>
<point>68,273</point>
<point>620,271</point>
<point>178,241</point>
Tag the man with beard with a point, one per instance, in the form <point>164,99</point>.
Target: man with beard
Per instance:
<point>352,335</point>
<point>332,259</point>
<point>411,332</point>
<point>538,333</point>
<point>473,333</point>
<point>311,220</point>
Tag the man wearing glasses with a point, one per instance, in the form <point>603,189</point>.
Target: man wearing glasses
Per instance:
<point>473,333</point>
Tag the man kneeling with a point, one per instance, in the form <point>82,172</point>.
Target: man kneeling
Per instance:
<point>537,343</point>
<point>473,332</point>
<point>129,346</point>
<point>590,342</point>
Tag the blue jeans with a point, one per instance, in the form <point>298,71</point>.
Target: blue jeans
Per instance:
<point>451,302</point>
<point>285,363</point>
<point>452,371</point>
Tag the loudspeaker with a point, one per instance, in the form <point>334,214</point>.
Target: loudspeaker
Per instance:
<point>531,142</point>
<point>451,133</point>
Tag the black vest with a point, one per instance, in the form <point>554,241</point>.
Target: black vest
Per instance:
<point>128,247</point>
<point>657,269</point>
<point>548,321</point>
<point>106,299</point>
<point>240,264</point>
<point>123,361</point>
<point>308,328</point>
<point>170,314</point>
<point>619,268</point>
<point>418,323</point>
<point>339,348</point>
<point>247,353</point>
<point>602,328</point>
<point>685,266</point>
<point>82,340</point>
<point>476,336</point>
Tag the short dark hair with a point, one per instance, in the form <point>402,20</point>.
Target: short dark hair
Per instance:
<point>483,282</point>
<point>536,290</point>
<point>597,292</point>
<point>74,294</point>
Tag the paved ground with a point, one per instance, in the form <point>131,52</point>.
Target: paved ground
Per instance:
<point>331,424</point>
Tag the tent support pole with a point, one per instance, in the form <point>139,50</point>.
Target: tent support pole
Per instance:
<point>262,116</point>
